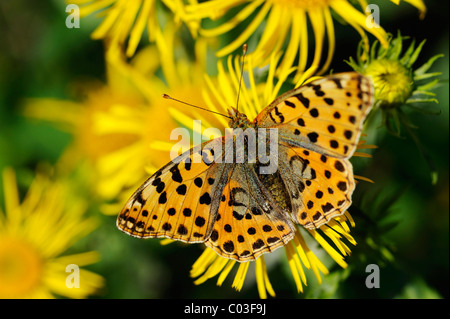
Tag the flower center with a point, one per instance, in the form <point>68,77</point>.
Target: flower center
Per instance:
<point>304,4</point>
<point>392,81</point>
<point>20,268</point>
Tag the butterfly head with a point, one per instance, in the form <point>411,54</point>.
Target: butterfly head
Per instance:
<point>238,119</point>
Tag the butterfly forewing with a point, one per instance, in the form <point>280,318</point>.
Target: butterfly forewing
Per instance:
<point>325,115</point>
<point>179,200</point>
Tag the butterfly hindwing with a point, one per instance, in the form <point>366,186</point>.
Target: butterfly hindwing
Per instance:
<point>324,184</point>
<point>249,222</point>
<point>325,115</point>
<point>179,200</point>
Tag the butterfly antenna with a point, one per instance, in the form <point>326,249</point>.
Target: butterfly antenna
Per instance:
<point>201,108</point>
<point>244,51</point>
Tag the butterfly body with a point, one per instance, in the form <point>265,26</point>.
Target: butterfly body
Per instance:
<point>239,120</point>
<point>236,207</point>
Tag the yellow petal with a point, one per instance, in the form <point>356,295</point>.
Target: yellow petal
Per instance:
<point>238,18</point>
<point>225,272</point>
<point>330,250</point>
<point>139,26</point>
<point>12,208</point>
<point>358,20</point>
<point>240,39</point>
<point>240,276</point>
<point>294,266</point>
<point>202,263</point>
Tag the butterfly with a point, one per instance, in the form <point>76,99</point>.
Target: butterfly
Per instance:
<point>242,213</point>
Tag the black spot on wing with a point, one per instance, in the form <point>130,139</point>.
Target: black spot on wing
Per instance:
<point>303,100</point>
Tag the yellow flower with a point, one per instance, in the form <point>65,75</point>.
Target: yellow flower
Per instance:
<point>33,236</point>
<point>123,127</point>
<point>283,25</point>
<point>128,20</point>
<point>416,3</point>
<point>299,257</point>
<point>393,82</point>
<point>112,126</point>
<point>399,85</point>
<point>396,82</point>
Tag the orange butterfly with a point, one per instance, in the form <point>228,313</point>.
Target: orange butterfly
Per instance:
<point>235,209</point>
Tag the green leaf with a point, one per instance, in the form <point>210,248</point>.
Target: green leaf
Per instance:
<point>396,48</point>
<point>425,76</point>
<point>386,202</point>
<point>421,109</point>
<point>373,54</point>
<point>408,52</point>
<point>354,65</point>
<point>424,68</point>
<point>418,289</point>
<point>409,101</point>
<point>395,117</point>
<point>415,55</point>
<point>428,86</point>
<point>426,156</point>
<point>421,93</point>
<point>384,228</point>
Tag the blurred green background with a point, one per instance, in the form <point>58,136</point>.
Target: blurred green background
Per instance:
<point>40,57</point>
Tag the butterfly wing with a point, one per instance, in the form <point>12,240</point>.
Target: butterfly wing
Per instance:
<point>320,185</point>
<point>319,125</point>
<point>324,116</point>
<point>180,200</point>
<point>249,222</point>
